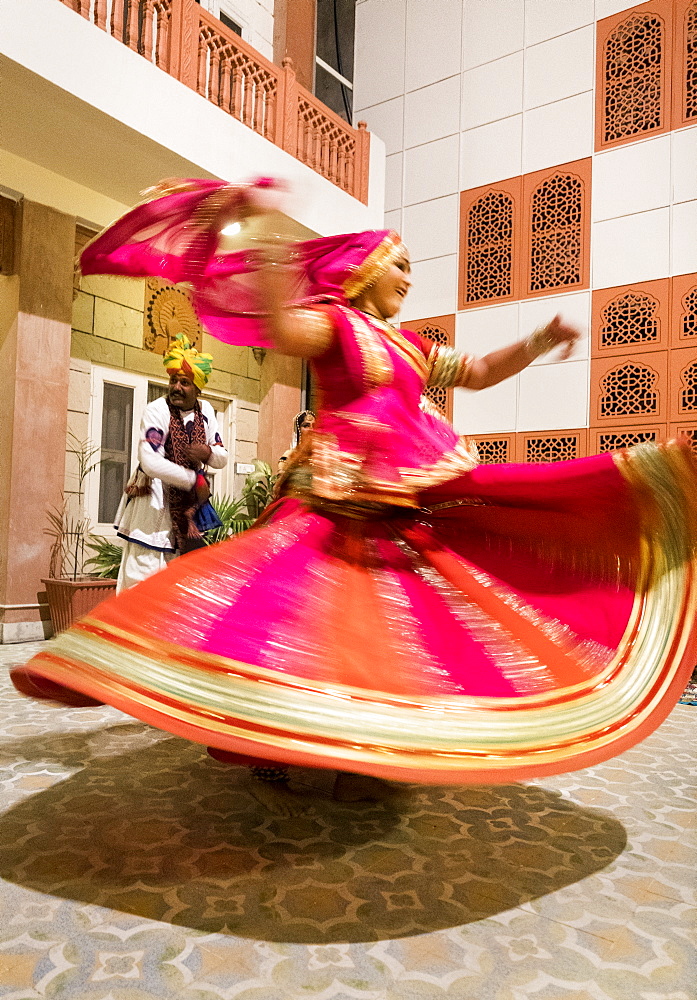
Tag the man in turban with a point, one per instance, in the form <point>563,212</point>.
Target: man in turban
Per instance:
<point>159,515</point>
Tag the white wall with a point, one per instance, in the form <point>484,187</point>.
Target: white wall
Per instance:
<point>255,17</point>
<point>467,92</point>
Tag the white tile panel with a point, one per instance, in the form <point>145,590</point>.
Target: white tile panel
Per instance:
<point>480,331</point>
<point>559,132</point>
<point>488,411</point>
<point>492,91</point>
<point>606,8</point>
<point>633,248</point>
<point>545,19</point>
<point>393,181</point>
<point>684,238</point>
<point>491,29</point>
<point>431,170</point>
<point>574,309</point>
<point>632,178</point>
<point>393,220</point>
<point>552,397</point>
<point>684,164</point>
<point>559,68</point>
<point>433,36</point>
<point>430,228</point>
<point>432,112</point>
<point>491,152</point>
<point>380,49</point>
<point>434,288</point>
<point>387,122</point>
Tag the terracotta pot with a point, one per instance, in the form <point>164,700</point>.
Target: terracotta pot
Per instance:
<point>69,600</point>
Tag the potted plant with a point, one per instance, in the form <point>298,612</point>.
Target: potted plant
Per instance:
<point>72,592</point>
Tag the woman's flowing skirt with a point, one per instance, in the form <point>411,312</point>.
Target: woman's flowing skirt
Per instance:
<point>528,620</point>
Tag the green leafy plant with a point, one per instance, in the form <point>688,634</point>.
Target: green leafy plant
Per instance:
<point>106,560</point>
<point>239,514</point>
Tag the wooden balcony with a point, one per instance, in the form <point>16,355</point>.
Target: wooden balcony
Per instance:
<point>196,48</point>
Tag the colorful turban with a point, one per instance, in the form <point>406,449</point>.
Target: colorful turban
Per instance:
<point>182,357</point>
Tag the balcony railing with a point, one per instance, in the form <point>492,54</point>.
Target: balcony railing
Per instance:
<point>186,41</point>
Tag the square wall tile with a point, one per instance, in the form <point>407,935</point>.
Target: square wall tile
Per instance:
<point>683,241</point>
<point>490,30</point>
<point>430,228</point>
<point>434,288</point>
<point>545,20</point>
<point>684,164</point>
<point>488,411</point>
<point>380,52</point>
<point>431,170</point>
<point>434,33</point>
<point>632,178</point>
<point>480,331</point>
<point>558,132</point>
<point>492,91</point>
<point>606,8</point>
<point>574,309</point>
<point>633,248</point>
<point>560,67</point>
<point>393,220</point>
<point>387,122</point>
<point>491,152</point>
<point>551,397</point>
<point>432,112</point>
<point>393,181</point>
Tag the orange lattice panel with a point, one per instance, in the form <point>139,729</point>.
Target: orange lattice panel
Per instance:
<point>683,384</point>
<point>552,446</point>
<point>685,430</point>
<point>684,63</point>
<point>602,439</point>
<point>633,74</point>
<point>631,319</point>
<point>630,389</point>
<point>556,229</point>
<point>490,244</point>
<point>441,330</point>
<point>684,310</point>
<point>494,449</point>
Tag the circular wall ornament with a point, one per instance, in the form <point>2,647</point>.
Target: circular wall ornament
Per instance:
<point>168,312</point>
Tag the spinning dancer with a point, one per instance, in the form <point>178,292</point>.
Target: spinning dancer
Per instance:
<point>401,612</point>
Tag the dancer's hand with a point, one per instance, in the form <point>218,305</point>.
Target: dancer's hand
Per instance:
<point>554,335</point>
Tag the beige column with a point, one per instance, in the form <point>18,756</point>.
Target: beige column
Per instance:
<point>281,379</point>
<point>35,319</point>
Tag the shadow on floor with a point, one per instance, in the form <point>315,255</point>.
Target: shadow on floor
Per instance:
<point>166,833</point>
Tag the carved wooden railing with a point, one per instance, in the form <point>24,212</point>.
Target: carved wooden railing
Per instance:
<point>186,41</point>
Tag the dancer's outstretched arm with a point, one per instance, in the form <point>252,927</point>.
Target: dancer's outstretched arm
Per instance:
<point>499,365</point>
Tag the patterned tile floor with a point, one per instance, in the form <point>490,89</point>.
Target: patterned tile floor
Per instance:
<point>134,867</point>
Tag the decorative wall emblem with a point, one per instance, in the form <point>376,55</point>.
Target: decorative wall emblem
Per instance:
<point>616,440</point>
<point>688,319</point>
<point>551,449</point>
<point>493,451</point>
<point>688,389</point>
<point>556,233</point>
<point>690,109</point>
<point>168,312</point>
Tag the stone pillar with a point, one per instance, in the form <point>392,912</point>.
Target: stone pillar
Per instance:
<point>281,380</point>
<point>294,30</point>
<point>35,320</point>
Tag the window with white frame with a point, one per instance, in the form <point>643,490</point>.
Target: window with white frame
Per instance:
<point>118,399</point>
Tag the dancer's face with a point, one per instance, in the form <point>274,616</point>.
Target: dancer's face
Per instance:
<point>182,392</point>
<point>306,425</point>
<point>386,296</point>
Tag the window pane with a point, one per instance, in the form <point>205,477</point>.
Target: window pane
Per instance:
<point>336,23</point>
<point>333,94</point>
<point>117,423</point>
<point>155,391</point>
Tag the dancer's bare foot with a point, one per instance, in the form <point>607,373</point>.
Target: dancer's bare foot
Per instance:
<point>279,799</point>
<point>364,788</point>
